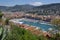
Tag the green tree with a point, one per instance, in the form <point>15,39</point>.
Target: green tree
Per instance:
<point>20,34</point>
<point>41,37</point>
<point>7,21</point>
<point>55,37</point>
<point>1,14</point>
<point>56,22</point>
<point>1,17</point>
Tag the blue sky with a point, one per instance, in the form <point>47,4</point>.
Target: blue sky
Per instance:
<point>31,2</point>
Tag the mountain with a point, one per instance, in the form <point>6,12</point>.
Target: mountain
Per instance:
<point>16,8</point>
<point>20,8</point>
<point>3,8</point>
<point>49,9</point>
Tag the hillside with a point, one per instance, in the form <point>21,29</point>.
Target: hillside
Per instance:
<point>16,8</point>
<point>50,9</point>
<point>47,9</point>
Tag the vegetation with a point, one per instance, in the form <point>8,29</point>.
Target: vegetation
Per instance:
<point>56,22</point>
<point>1,32</point>
<point>20,34</point>
<point>17,33</point>
<point>7,21</point>
<point>1,16</point>
<point>50,9</point>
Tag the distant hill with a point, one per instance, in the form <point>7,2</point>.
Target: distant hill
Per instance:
<point>50,9</point>
<point>3,8</point>
<point>16,8</point>
<point>20,8</point>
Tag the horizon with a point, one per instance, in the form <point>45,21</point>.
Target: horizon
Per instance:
<point>29,4</point>
<point>24,2</point>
